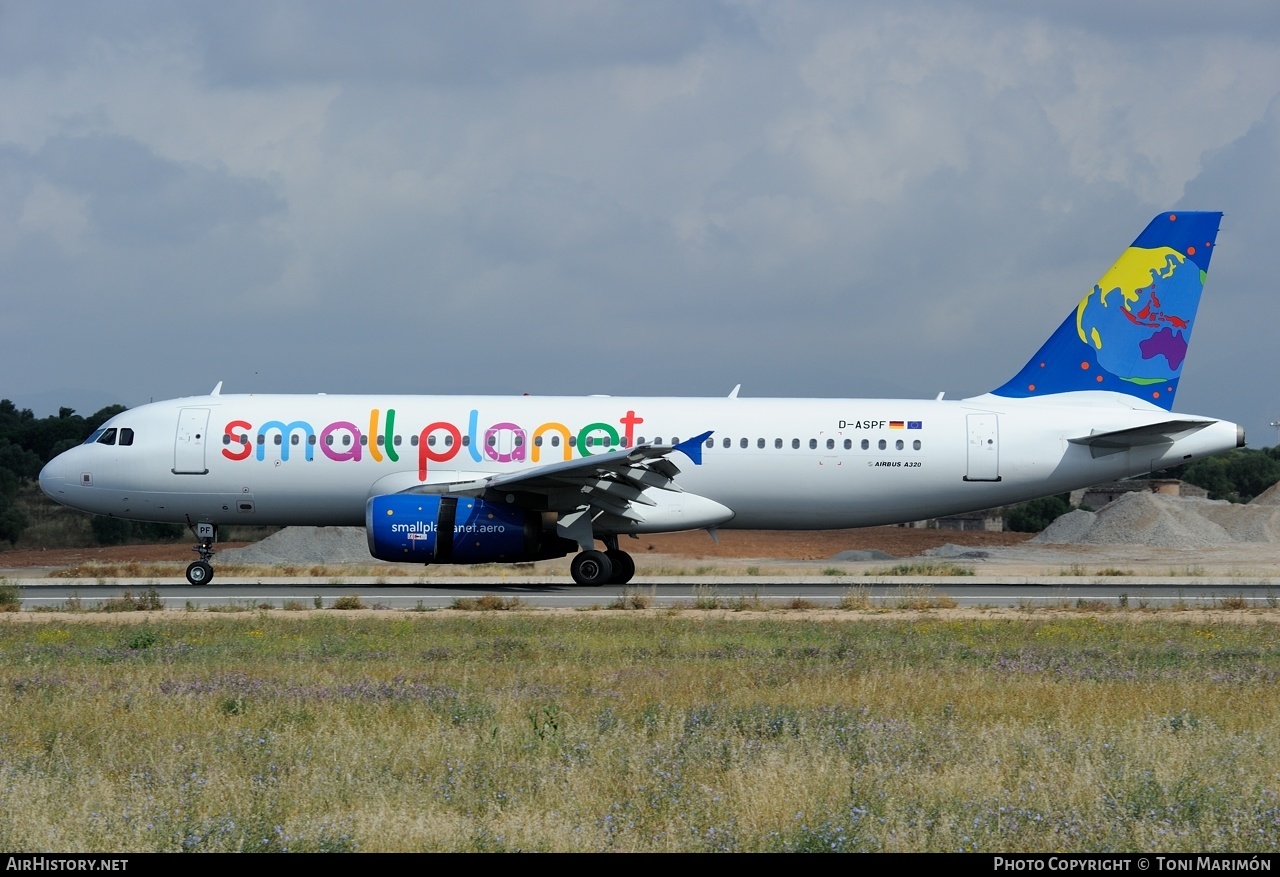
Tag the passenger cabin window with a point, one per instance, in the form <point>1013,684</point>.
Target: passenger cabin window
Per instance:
<point>777,443</point>
<point>831,444</point>
<point>555,441</point>
<point>898,444</point>
<point>728,443</point>
<point>865,444</point>
<point>848,444</point>
<point>711,443</point>
<point>108,437</point>
<point>759,443</point>
<point>743,443</point>
<point>916,444</point>
<point>795,444</point>
<point>883,444</point>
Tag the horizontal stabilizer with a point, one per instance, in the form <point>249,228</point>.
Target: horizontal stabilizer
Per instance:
<point>1165,432</point>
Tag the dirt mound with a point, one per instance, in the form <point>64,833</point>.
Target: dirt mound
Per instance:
<point>1169,521</point>
<point>304,545</point>
<point>1270,496</point>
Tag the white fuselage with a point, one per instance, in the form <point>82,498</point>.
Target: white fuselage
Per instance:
<point>775,463</point>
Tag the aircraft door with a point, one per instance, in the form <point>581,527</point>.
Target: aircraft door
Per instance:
<point>188,447</point>
<point>984,448</point>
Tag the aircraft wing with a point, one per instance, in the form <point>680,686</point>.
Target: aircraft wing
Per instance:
<point>1165,432</point>
<point>607,484</point>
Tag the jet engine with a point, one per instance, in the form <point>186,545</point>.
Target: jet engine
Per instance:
<point>420,528</point>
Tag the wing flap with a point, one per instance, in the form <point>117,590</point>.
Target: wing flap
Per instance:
<point>606,490</point>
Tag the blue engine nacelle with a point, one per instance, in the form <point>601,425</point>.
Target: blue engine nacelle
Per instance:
<point>419,528</point>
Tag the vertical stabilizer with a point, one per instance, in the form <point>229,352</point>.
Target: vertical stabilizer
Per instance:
<point>1129,334</point>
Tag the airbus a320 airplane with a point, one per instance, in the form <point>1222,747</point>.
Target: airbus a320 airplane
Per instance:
<point>459,479</point>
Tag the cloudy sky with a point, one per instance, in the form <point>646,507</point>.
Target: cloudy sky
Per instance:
<point>652,198</point>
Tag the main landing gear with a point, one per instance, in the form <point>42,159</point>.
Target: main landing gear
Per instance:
<point>610,567</point>
<point>200,572</point>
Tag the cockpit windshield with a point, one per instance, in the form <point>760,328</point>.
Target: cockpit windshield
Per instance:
<point>96,434</point>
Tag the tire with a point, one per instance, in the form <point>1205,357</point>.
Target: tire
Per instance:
<point>624,568</point>
<point>591,569</point>
<point>199,573</point>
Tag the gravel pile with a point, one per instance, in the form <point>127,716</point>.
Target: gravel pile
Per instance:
<point>1270,496</point>
<point>862,555</point>
<point>305,545</point>
<point>1140,518</point>
<point>951,551</point>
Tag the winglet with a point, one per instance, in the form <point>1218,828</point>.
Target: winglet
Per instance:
<point>1129,334</point>
<point>692,448</point>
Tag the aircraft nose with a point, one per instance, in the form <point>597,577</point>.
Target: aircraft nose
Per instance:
<point>53,480</point>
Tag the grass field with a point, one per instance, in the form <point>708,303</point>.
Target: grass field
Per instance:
<point>506,731</point>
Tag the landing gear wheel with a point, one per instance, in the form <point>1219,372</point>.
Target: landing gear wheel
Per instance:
<point>200,572</point>
<point>624,568</point>
<point>591,568</point>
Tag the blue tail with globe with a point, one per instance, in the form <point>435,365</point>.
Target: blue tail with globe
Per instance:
<point>1130,333</point>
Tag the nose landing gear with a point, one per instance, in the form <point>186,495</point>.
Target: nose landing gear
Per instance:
<point>200,572</point>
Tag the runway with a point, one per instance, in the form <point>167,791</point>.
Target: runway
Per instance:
<point>704,592</point>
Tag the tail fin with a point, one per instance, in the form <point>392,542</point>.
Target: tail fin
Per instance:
<point>1130,333</point>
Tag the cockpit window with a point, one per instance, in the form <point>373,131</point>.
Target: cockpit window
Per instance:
<point>108,437</point>
<point>126,435</point>
<point>96,433</point>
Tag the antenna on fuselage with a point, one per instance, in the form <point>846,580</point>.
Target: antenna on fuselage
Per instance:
<point>217,391</point>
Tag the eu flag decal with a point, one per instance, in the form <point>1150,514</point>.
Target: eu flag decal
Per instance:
<point>915,424</point>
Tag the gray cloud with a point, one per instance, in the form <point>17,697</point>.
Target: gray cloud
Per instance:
<point>812,199</point>
<point>251,44</point>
